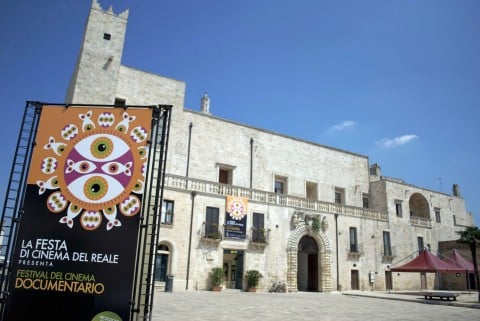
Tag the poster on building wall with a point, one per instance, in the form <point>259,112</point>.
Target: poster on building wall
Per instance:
<point>74,257</point>
<point>236,217</point>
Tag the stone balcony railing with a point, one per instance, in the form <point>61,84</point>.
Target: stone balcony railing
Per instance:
<point>420,221</point>
<point>208,187</point>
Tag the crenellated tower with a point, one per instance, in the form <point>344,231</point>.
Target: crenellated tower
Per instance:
<point>96,74</point>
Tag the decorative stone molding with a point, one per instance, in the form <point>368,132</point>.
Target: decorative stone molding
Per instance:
<point>301,228</point>
<point>313,221</point>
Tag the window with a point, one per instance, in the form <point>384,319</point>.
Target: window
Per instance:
<point>280,185</point>
<point>454,220</point>
<point>225,176</point>
<point>387,247</point>
<point>398,208</point>
<point>107,36</point>
<point>120,102</point>
<point>420,244</point>
<point>339,195</point>
<point>258,228</point>
<point>211,223</point>
<point>311,190</point>
<point>365,200</point>
<point>437,215</point>
<point>166,215</point>
<point>353,240</point>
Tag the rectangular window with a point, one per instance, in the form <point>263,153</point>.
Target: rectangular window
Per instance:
<point>365,200</point>
<point>258,228</point>
<point>420,244</point>
<point>280,185</point>
<point>311,191</point>
<point>211,223</point>
<point>438,219</point>
<point>454,220</point>
<point>353,240</point>
<point>107,36</point>
<point>225,175</point>
<point>339,195</point>
<point>398,208</point>
<point>387,247</point>
<point>166,215</point>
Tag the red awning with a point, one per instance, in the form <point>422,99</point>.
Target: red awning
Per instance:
<point>427,262</point>
<point>460,262</point>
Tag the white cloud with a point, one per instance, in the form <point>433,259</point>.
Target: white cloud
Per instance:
<point>344,125</point>
<point>397,141</point>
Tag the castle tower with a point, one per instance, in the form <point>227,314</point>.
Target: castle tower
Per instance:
<point>95,78</point>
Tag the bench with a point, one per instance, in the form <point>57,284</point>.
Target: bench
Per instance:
<point>441,295</point>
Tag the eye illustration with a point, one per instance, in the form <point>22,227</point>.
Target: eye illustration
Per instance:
<point>96,171</point>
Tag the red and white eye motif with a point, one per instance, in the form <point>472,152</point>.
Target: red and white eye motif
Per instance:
<point>96,188</point>
<point>115,168</point>
<point>49,165</point>
<point>106,119</point>
<point>81,167</point>
<point>130,206</point>
<point>102,147</point>
<point>91,220</point>
<point>56,202</point>
<point>69,132</point>
<point>138,134</point>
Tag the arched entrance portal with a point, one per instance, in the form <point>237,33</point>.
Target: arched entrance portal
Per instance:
<point>323,256</point>
<point>307,260</point>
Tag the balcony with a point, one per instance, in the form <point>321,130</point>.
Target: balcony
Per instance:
<point>211,234</point>
<point>420,221</point>
<point>259,237</point>
<point>207,187</point>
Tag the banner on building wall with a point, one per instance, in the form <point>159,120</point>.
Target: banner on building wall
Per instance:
<point>236,217</point>
<point>74,257</point>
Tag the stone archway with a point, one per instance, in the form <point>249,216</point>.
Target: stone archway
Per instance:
<point>324,252</point>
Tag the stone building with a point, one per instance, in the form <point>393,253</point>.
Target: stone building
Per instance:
<point>312,217</point>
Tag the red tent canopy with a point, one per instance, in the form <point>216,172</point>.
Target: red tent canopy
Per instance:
<point>461,262</point>
<point>427,262</point>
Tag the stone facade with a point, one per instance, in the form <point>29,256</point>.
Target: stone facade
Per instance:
<point>367,222</point>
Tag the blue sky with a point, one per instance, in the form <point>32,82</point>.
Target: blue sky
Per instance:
<point>397,81</point>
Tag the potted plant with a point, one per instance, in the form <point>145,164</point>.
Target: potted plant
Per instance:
<point>217,278</point>
<point>253,278</point>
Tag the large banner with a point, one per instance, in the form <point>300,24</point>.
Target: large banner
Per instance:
<point>74,258</point>
<point>236,217</point>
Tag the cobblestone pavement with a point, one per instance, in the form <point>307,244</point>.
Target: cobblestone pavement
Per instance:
<point>304,306</point>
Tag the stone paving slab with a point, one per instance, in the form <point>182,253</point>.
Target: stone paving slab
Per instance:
<point>304,306</point>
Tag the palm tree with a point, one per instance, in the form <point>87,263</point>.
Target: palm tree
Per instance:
<point>471,237</point>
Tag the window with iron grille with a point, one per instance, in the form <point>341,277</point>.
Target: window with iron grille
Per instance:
<point>353,240</point>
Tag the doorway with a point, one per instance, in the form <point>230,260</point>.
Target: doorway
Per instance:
<point>307,258</point>
<point>161,263</point>
<point>388,280</point>
<point>354,280</point>
<point>233,268</point>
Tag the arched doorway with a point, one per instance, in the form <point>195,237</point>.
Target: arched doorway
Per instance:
<point>307,260</point>
<point>324,255</point>
<point>161,263</point>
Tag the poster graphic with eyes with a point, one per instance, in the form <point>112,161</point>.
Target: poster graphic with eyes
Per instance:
<point>75,252</point>
<point>236,217</point>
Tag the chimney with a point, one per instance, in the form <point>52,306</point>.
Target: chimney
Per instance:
<point>205,104</point>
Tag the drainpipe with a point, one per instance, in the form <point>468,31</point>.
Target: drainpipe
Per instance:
<point>251,162</point>
<point>190,238</point>
<point>336,248</point>
<point>188,148</point>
